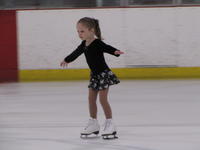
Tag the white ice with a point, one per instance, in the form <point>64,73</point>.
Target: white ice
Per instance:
<point>149,114</point>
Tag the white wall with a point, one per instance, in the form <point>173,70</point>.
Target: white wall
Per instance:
<point>149,36</point>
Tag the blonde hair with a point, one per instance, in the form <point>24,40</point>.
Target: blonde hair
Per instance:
<point>92,23</point>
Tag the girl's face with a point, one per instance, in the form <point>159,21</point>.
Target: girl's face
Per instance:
<point>84,32</point>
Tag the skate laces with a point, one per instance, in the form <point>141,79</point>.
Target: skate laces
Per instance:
<point>90,122</point>
<point>107,124</point>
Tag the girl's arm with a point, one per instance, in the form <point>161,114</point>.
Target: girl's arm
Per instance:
<point>75,54</point>
<point>111,50</point>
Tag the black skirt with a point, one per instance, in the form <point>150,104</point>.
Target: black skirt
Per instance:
<point>103,80</point>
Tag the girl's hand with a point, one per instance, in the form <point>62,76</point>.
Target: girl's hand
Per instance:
<point>63,64</point>
<point>118,52</point>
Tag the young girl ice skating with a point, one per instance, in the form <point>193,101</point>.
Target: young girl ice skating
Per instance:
<point>101,76</point>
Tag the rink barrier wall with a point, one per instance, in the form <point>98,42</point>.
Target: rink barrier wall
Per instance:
<point>171,38</point>
<point>186,54</point>
<point>122,73</point>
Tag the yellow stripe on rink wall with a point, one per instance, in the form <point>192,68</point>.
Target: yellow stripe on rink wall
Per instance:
<point>122,73</point>
<point>158,73</point>
<point>54,75</point>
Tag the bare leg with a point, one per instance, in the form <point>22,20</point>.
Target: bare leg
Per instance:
<point>92,103</point>
<point>103,97</point>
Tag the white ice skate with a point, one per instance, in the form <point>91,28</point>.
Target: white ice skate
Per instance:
<point>109,130</point>
<point>91,128</point>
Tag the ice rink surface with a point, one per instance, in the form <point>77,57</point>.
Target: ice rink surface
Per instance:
<point>149,114</point>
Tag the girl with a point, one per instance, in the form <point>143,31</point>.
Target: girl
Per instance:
<point>101,76</point>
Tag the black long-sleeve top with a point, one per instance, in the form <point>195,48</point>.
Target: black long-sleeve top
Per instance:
<point>94,54</point>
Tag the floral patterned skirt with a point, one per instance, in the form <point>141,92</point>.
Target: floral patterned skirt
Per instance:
<point>103,80</point>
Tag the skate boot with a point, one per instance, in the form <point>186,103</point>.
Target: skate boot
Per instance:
<point>109,130</point>
<point>91,128</point>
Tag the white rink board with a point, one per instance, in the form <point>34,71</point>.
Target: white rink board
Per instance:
<point>149,36</point>
<point>188,33</point>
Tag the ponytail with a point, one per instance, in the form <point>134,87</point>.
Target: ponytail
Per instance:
<point>97,29</point>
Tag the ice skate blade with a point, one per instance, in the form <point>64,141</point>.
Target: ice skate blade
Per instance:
<point>110,136</point>
<point>114,133</point>
<point>87,136</point>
